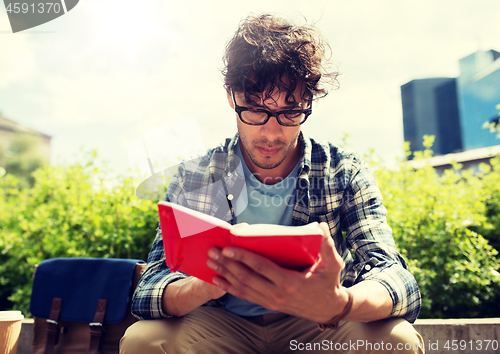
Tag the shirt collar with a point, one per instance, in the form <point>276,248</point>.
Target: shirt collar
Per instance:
<point>305,165</point>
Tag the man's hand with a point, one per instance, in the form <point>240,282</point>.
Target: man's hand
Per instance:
<point>209,291</point>
<point>315,293</point>
<point>184,295</point>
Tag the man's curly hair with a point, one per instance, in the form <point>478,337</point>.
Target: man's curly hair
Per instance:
<point>268,53</point>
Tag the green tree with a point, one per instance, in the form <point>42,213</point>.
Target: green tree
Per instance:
<point>3,158</point>
<point>433,219</point>
<point>494,126</point>
<point>68,213</point>
<point>22,158</point>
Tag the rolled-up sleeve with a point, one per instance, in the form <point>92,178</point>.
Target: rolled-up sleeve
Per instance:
<point>147,298</point>
<point>370,240</point>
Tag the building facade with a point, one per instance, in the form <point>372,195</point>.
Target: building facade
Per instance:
<point>430,108</point>
<point>455,111</point>
<point>478,96</point>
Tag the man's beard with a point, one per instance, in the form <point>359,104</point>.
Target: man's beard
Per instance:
<point>267,163</point>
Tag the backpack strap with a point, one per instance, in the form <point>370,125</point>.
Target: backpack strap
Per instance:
<point>52,328</point>
<point>96,326</point>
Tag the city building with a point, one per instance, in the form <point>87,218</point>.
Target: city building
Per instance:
<point>430,108</point>
<point>478,96</point>
<point>455,111</point>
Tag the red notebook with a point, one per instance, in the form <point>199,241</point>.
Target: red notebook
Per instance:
<point>189,234</point>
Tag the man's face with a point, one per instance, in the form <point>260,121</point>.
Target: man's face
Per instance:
<point>270,145</point>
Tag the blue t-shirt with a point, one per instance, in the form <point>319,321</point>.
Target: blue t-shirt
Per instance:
<point>267,204</point>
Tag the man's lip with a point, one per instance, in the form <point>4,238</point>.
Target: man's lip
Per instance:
<point>268,151</point>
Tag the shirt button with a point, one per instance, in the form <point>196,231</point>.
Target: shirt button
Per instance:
<point>368,267</point>
<point>229,197</point>
<point>229,174</point>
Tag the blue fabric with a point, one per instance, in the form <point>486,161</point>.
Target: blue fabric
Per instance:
<point>81,282</point>
<point>267,204</point>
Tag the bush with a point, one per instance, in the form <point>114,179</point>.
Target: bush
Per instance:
<point>443,225</point>
<point>436,222</point>
<point>22,158</point>
<point>491,194</point>
<point>67,213</point>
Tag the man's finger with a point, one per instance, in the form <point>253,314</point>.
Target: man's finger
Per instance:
<point>259,264</point>
<point>239,280</point>
<point>328,252</point>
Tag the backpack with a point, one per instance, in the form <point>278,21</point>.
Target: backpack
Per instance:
<point>82,305</point>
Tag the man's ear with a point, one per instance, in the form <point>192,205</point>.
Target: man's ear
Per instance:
<point>230,98</point>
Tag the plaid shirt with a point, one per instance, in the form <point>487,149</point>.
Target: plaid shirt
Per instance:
<point>333,186</point>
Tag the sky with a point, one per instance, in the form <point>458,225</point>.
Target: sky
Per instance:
<point>110,71</point>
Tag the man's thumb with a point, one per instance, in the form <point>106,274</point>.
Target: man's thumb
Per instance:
<point>327,252</point>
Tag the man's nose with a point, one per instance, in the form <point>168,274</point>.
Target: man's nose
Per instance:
<point>272,129</point>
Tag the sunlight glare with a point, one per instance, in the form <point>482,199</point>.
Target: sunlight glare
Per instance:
<point>124,23</point>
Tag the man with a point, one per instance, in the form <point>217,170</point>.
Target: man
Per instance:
<point>358,296</point>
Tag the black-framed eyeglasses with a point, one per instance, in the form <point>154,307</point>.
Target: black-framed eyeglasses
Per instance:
<point>259,116</point>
